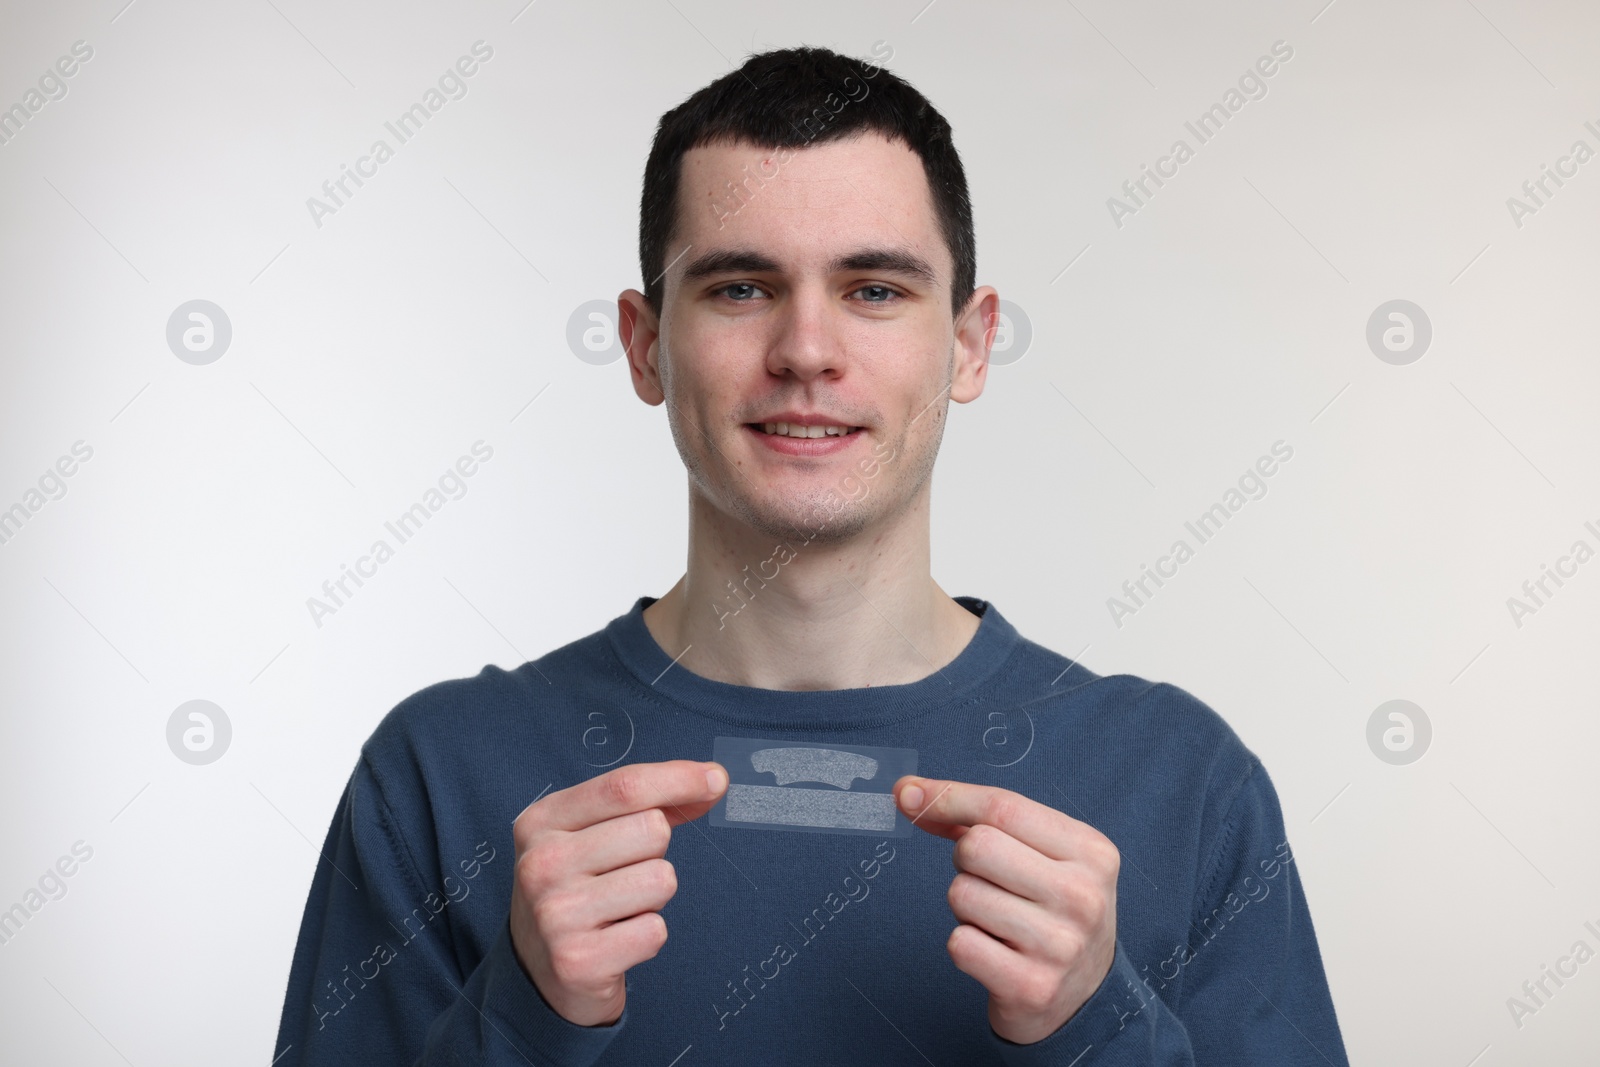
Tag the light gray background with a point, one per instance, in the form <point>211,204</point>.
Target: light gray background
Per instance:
<point>369,353</point>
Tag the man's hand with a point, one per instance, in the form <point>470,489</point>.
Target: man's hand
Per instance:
<point>590,879</point>
<point>1036,896</point>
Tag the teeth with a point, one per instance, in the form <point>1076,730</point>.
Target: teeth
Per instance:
<point>796,430</point>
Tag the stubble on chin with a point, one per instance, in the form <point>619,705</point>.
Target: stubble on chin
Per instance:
<point>805,518</point>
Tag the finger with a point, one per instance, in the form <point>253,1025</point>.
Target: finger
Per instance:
<point>608,898</point>
<point>607,846</point>
<point>679,811</point>
<point>678,814</point>
<point>996,856</point>
<point>934,802</point>
<point>993,963</point>
<point>625,790</point>
<point>1021,924</point>
<point>626,944</point>
<point>930,825</point>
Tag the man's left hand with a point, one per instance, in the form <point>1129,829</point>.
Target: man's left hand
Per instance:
<point>1036,896</point>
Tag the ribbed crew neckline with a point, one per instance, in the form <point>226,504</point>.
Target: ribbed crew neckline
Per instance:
<point>840,709</point>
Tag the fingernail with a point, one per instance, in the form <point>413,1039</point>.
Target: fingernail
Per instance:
<point>911,797</point>
<point>716,778</point>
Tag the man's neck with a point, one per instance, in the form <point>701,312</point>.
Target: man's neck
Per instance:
<point>773,613</point>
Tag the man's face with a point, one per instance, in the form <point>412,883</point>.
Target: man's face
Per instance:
<point>825,296</point>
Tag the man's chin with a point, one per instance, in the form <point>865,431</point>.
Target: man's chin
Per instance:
<point>819,524</point>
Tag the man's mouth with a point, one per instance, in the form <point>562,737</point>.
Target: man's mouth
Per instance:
<point>785,429</point>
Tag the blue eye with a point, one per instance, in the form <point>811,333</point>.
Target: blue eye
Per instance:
<point>745,292</point>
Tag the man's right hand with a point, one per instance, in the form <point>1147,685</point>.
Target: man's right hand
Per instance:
<point>591,878</point>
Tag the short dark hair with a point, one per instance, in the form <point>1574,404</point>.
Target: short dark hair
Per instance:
<point>781,99</point>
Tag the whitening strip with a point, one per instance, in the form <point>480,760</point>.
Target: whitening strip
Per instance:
<point>799,785</point>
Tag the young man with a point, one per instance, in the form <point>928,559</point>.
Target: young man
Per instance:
<point>1081,870</point>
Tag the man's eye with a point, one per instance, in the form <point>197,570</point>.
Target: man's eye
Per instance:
<point>728,289</point>
<point>886,294</point>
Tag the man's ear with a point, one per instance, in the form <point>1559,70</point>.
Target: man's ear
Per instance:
<point>640,329</point>
<point>974,330</point>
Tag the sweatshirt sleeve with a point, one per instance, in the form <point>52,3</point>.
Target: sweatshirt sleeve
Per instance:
<point>377,976</point>
<point>1246,988</point>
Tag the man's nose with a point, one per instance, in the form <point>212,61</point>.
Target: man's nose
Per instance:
<point>807,336</point>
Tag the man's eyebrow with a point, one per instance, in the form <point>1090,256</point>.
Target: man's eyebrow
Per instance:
<point>890,260</point>
<point>729,261</point>
<point>743,260</point>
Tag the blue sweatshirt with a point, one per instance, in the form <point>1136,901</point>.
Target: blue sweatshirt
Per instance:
<point>809,948</point>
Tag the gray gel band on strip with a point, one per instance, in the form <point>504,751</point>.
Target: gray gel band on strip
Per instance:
<point>817,787</point>
<point>830,766</point>
<point>810,807</point>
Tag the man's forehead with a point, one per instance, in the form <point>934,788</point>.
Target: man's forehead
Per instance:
<point>814,203</point>
<point>852,156</point>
